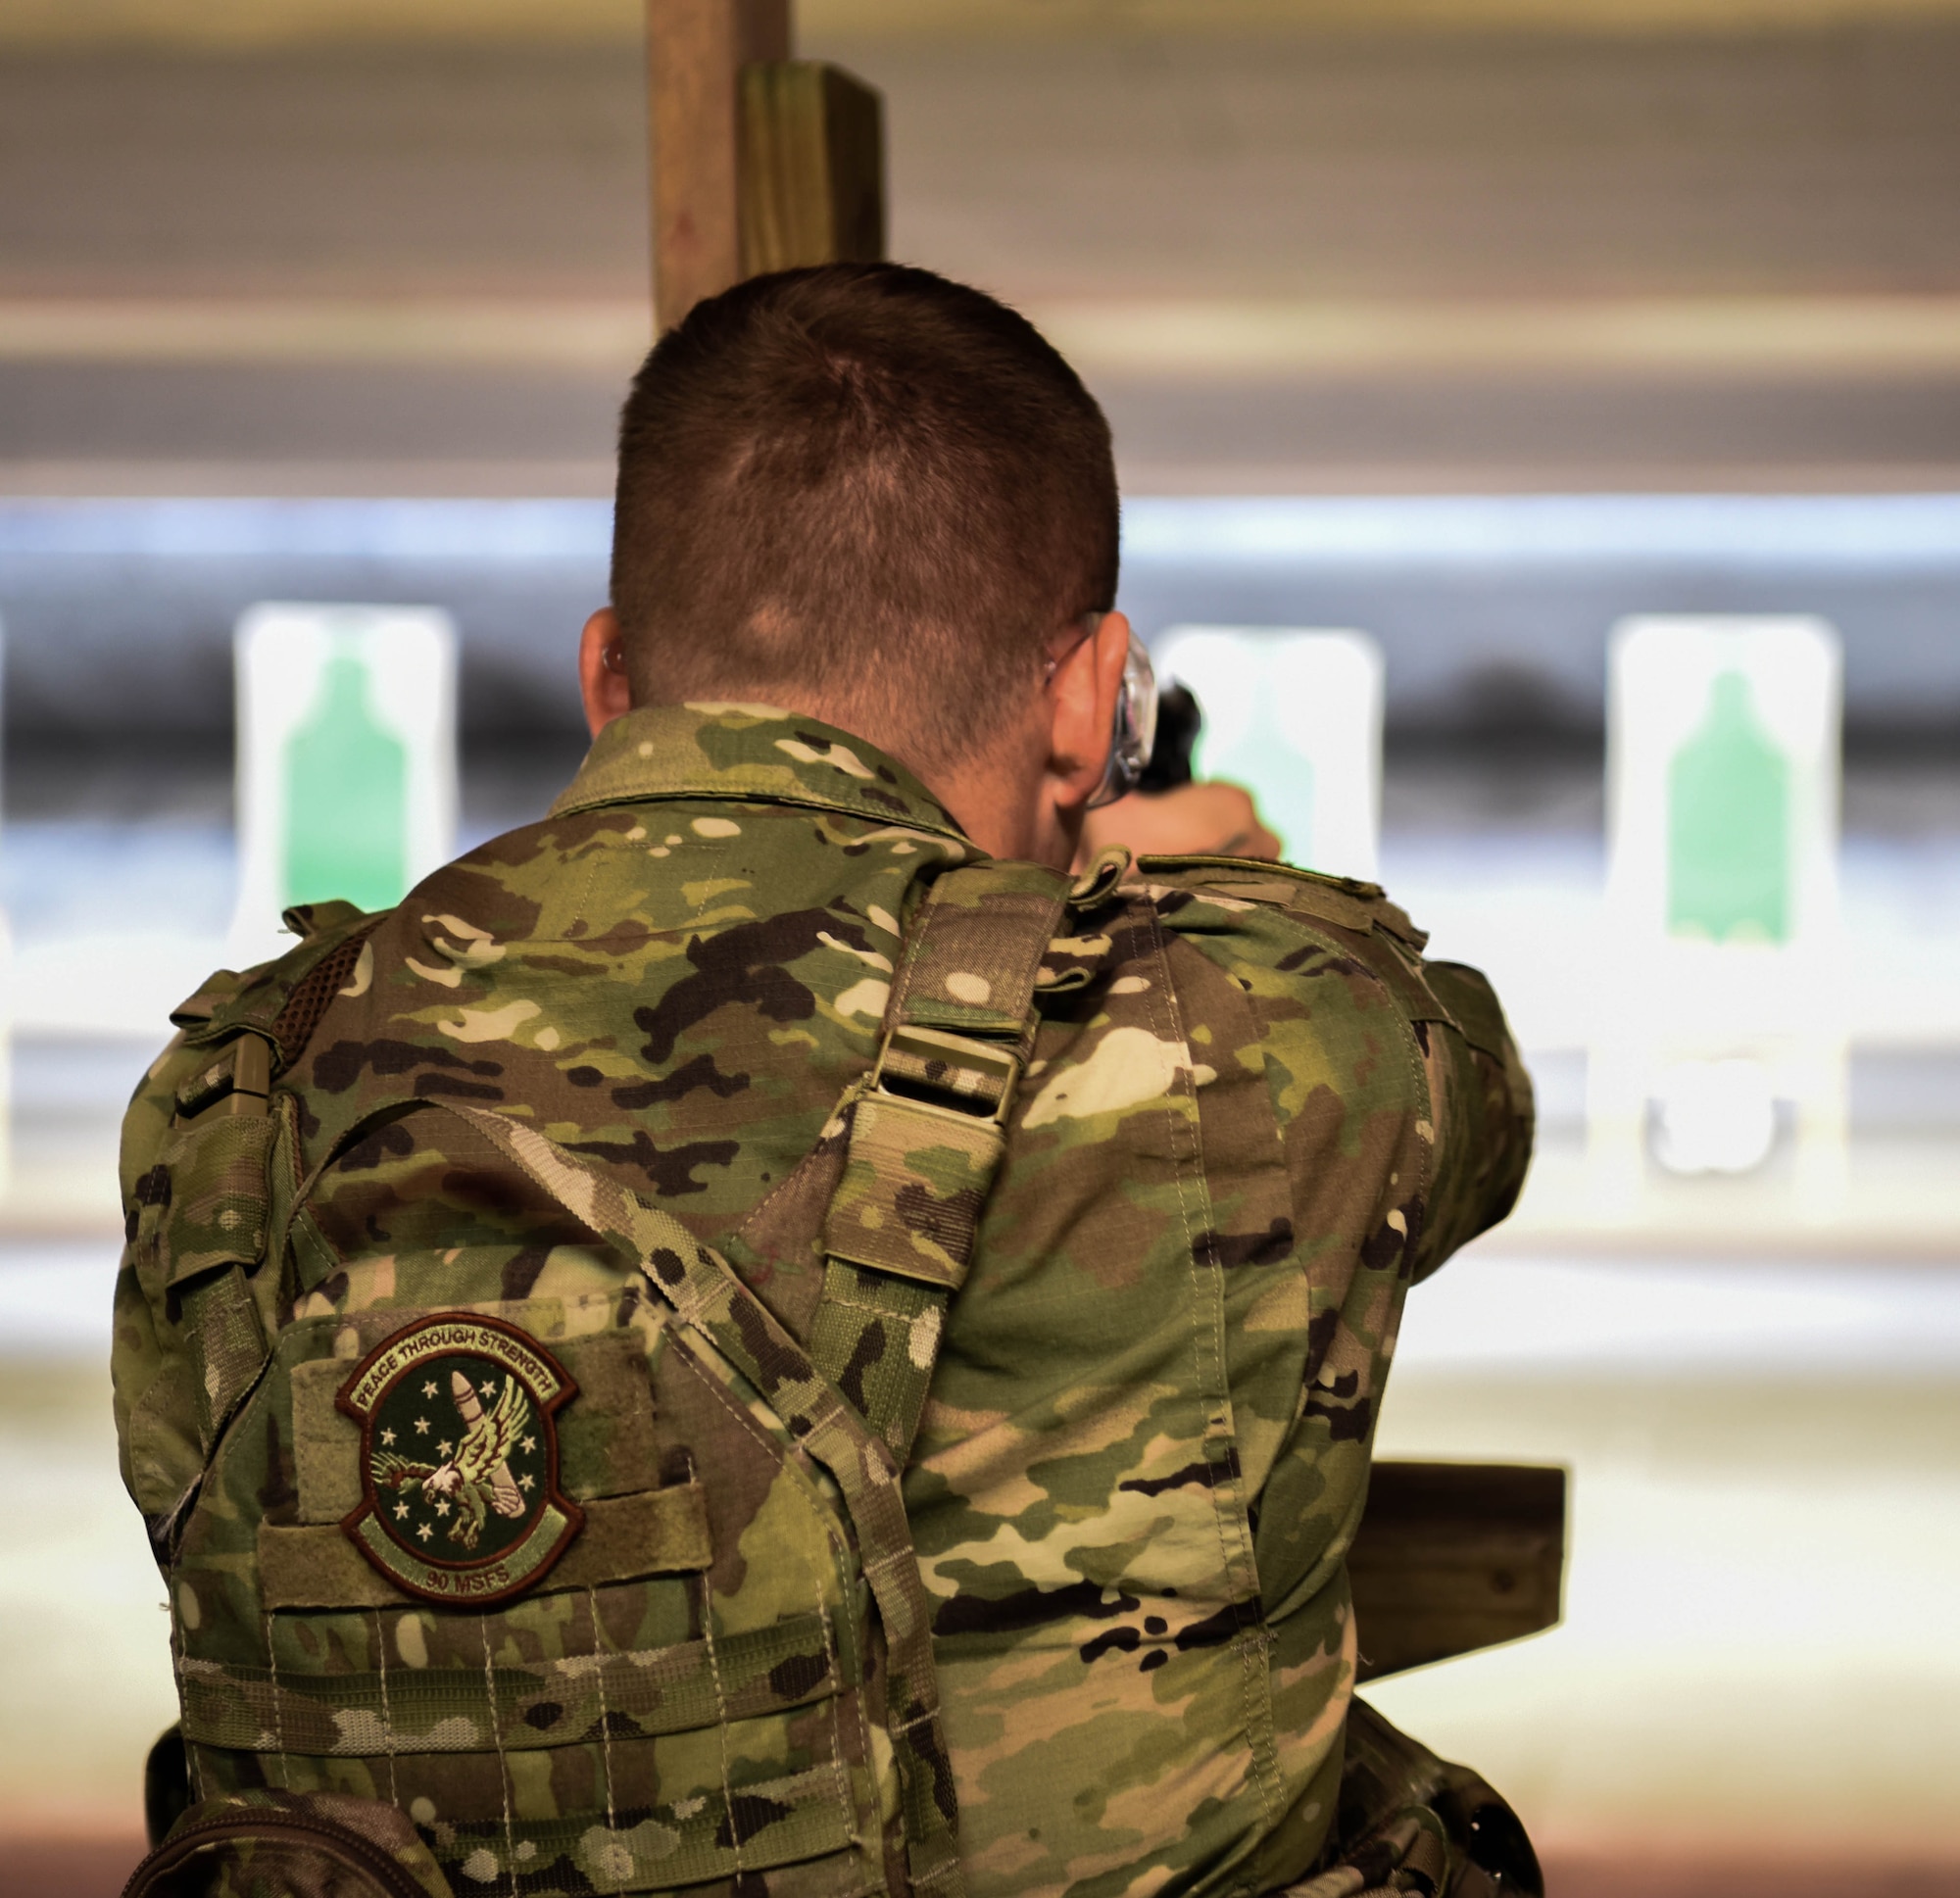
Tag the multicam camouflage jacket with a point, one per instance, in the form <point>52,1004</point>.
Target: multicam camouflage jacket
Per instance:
<point>479,1385</point>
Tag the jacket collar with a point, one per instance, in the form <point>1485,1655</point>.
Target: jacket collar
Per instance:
<point>748,754</point>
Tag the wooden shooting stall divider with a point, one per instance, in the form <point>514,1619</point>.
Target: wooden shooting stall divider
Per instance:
<point>763,163</point>
<point>1454,1557</point>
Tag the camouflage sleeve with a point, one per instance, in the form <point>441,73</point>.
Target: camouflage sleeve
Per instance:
<point>1482,1098</point>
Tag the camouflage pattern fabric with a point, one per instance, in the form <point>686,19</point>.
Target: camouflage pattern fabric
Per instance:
<point>1250,1117</point>
<point>286,1846</point>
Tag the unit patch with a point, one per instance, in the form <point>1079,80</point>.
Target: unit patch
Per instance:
<point>459,1459</point>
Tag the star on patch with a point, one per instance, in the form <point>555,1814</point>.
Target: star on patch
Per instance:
<point>424,1532</point>
<point>422,1425</point>
<point>387,1436</point>
<point>428,1389</point>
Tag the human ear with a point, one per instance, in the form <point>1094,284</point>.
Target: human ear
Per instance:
<point>1083,696</point>
<point>602,672</point>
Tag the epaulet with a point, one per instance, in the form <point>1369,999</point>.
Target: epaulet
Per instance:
<point>1345,902</point>
<point>283,999</point>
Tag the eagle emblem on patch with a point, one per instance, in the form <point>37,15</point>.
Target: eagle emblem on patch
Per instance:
<point>459,1459</point>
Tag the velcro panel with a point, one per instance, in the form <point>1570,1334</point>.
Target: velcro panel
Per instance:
<point>661,1532</point>
<point>326,1442</point>
<point>606,1433</point>
<point>913,1185</point>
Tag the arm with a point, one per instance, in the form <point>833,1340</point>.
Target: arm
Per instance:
<point>1484,1114</point>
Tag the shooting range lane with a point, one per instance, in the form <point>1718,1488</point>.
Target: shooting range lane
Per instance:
<point>1492,611</point>
<point>1495,610</point>
<point>1651,322</point>
<point>1746,1429</point>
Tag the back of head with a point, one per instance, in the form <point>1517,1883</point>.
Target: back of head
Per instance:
<point>863,491</point>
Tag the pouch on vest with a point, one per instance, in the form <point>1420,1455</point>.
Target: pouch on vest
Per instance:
<point>286,1846</point>
<point>203,1206</point>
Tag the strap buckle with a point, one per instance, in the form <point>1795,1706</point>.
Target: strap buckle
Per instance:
<point>238,1081</point>
<point>948,1074</point>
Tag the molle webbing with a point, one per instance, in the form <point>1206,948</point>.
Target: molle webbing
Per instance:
<point>518,1704</point>
<point>212,1238</point>
<point>927,1130</point>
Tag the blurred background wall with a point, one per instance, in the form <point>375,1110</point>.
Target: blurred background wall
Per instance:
<point>1472,324</point>
<point>275,252</point>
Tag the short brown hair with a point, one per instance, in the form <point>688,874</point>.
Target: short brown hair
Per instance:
<point>862,480</point>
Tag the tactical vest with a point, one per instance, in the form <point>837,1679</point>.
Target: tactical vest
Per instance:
<point>437,1564</point>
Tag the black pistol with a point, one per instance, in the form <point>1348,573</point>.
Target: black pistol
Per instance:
<point>1179,721</point>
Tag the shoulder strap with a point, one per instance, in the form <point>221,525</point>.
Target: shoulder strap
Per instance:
<point>927,1128</point>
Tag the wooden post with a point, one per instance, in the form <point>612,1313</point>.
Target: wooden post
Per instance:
<point>761,161</point>
<point>696,50</point>
<point>813,168</point>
